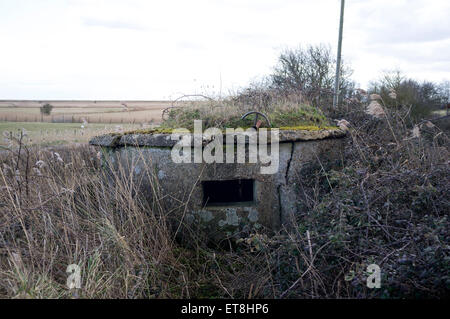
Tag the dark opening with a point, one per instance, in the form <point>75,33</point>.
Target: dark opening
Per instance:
<point>228,192</point>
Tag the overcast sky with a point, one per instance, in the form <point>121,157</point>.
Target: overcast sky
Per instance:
<point>111,49</point>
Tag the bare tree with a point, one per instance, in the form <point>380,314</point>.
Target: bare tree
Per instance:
<point>444,92</point>
<point>310,71</point>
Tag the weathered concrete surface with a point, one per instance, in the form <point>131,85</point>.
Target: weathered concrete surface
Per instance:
<point>108,140</point>
<point>147,159</point>
<point>164,139</point>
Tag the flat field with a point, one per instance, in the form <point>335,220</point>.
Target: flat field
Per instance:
<point>109,112</point>
<point>46,134</point>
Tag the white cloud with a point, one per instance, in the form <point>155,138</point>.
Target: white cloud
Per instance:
<point>151,50</point>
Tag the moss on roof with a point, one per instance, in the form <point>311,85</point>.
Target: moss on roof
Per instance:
<point>170,130</point>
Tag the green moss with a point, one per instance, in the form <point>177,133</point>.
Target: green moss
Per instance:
<point>307,128</point>
<point>283,128</point>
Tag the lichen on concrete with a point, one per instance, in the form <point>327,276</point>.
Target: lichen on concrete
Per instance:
<point>253,215</point>
<point>231,219</point>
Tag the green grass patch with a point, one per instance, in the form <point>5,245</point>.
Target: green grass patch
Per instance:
<point>44,134</point>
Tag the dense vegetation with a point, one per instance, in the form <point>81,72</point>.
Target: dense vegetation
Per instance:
<point>388,204</point>
<point>422,98</point>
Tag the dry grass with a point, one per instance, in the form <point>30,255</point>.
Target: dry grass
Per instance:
<point>388,205</point>
<point>57,208</point>
<point>281,112</point>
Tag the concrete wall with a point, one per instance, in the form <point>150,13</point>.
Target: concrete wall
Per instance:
<point>276,196</point>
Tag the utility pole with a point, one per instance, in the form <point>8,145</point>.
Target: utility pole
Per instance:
<point>338,61</point>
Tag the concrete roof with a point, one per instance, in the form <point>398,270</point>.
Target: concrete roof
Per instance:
<point>165,140</point>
